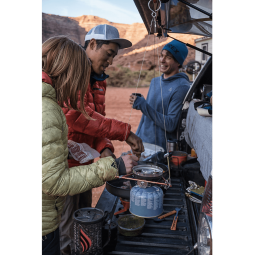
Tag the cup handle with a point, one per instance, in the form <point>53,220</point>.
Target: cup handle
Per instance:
<point>109,234</point>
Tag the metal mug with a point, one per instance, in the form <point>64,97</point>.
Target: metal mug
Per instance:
<point>171,145</point>
<point>137,94</point>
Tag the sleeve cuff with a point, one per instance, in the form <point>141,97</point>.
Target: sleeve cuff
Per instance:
<point>121,166</point>
<point>138,102</point>
<point>104,149</point>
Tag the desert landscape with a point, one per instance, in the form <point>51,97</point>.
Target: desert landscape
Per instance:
<point>125,69</point>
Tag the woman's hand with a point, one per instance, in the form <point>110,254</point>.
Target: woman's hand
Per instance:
<point>130,161</point>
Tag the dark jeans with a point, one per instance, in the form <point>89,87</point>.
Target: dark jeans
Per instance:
<point>50,245</point>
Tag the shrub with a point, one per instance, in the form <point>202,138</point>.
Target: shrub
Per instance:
<point>124,77</point>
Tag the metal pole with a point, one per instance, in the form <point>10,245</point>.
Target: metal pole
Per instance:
<point>189,45</point>
<point>196,8</point>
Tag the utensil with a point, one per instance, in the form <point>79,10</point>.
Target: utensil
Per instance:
<point>193,199</point>
<point>173,227</point>
<point>156,219</point>
<point>167,214</point>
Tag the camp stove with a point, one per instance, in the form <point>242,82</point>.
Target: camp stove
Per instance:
<point>148,172</point>
<point>126,206</point>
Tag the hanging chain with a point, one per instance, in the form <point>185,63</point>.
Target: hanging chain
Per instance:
<point>153,20</point>
<point>162,98</point>
<point>138,82</point>
<point>160,78</point>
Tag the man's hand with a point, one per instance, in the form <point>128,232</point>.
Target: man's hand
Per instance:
<point>132,99</point>
<point>106,153</point>
<point>130,161</point>
<point>135,143</point>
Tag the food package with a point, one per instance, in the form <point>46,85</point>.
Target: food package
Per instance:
<point>147,153</point>
<point>82,152</point>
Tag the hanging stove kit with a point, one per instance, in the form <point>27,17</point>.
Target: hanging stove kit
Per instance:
<point>88,227</point>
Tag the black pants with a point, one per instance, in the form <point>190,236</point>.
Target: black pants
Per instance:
<point>50,243</point>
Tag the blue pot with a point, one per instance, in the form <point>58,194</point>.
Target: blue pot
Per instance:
<point>146,202</point>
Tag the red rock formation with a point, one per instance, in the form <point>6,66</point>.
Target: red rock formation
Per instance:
<point>132,57</point>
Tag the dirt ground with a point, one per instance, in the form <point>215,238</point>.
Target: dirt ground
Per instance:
<point>118,107</point>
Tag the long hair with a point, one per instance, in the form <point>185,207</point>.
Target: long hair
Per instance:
<point>69,69</point>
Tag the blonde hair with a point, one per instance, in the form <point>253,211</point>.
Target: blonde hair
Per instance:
<point>69,68</point>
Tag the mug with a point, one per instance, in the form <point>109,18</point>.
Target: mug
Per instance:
<point>137,94</point>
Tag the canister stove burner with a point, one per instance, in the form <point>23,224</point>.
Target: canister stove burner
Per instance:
<point>148,171</point>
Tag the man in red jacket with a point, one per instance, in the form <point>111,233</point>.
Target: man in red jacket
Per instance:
<point>101,44</point>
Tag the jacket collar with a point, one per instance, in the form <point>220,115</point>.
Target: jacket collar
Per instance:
<point>46,78</point>
<point>95,77</point>
<point>47,89</point>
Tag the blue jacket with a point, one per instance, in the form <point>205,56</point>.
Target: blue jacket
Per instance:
<point>174,90</point>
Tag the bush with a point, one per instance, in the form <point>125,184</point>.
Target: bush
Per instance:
<point>124,77</point>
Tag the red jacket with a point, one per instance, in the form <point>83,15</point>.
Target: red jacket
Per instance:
<point>96,133</point>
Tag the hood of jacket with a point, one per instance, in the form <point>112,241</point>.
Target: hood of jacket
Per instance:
<point>176,76</point>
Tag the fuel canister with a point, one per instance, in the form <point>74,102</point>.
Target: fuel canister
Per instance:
<point>146,202</point>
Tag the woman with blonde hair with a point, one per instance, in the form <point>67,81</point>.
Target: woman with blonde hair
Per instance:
<point>65,75</point>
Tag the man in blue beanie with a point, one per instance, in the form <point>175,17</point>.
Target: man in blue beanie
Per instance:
<point>175,86</point>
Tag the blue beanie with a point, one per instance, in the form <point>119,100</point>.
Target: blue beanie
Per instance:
<point>178,50</point>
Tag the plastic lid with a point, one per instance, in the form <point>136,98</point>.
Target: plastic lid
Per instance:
<point>88,215</point>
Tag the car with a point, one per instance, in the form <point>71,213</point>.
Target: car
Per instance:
<point>190,17</point>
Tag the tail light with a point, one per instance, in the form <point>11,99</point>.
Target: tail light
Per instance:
<point>204,238</point>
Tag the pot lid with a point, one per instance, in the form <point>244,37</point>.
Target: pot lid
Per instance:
<point>148,170</point>
<point>88,215</point>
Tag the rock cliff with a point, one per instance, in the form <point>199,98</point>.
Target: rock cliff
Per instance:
<point>77,27</point>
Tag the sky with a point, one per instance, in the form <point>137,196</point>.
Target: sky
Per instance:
<point>123,11</point>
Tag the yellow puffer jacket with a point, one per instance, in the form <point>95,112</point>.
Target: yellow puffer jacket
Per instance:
<point>58,180</point>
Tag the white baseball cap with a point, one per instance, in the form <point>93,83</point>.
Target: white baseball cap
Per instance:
<point>107,33</point>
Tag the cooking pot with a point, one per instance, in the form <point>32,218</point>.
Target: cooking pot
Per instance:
<point>178,157</point>
<point>130,225</point>
<point>88,225</point>
<point>148,172</point>
<point>146,202</point>
<point>115,186</point>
